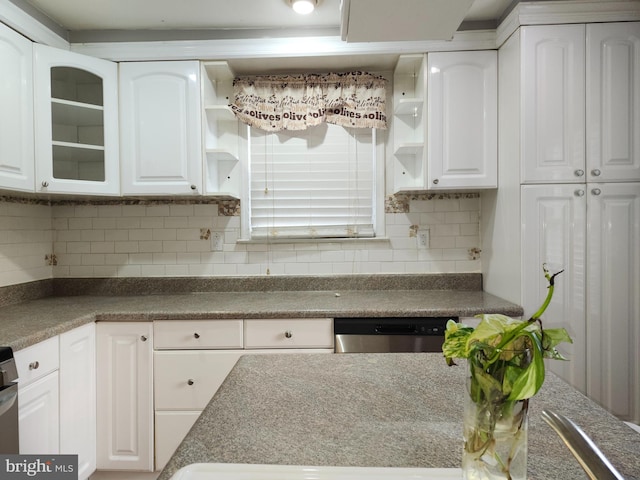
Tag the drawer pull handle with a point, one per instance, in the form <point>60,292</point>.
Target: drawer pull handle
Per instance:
<point>190,382</point>
<point>34,365</point>
<point>288,334</point>
<point>143,338</point>
<point>196,335</point>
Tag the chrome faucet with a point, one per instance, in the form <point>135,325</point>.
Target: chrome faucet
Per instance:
<point>591,459</point>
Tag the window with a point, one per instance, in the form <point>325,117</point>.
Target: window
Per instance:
<point>323,182</point>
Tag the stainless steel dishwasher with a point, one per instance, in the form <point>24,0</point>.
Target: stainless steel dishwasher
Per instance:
<point>386,335</point>
<point>8,403</point>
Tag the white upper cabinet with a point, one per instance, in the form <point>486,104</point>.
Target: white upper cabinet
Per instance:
<point>409,123</point>
<point>16,111</point>
<point>613,102</point>
<point>224,142</point>
<point>462,120</point>
<point>76,123</point>
<point>160,125</point>
<point>553,92</point>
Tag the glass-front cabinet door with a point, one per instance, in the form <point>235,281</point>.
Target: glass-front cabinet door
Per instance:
<point>76,101</point>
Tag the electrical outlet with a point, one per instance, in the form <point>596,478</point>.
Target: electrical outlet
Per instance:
<point>423,238</point>
<point>216,241</point>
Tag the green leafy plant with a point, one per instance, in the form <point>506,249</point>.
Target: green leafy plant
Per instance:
<point>506,367</point>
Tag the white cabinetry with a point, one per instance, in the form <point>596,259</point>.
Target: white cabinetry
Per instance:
<point>76,123</point>
<point>612,294</point>
<point>160,112</point>
<point>224,143</point>
<point>192,359</point>
<point>124,396</point>
<point>289,333</point>
<point>78,397</point>
<point>589,229</point>
<point>554,229</point>
<point>462,120</point>
<point>16,111</point>
<point>553,109</point>
<point>38,417</point>
<point>190,363</point>
<point>409,123</point>
<point>449,99</point>
<point>613,102</point>
<point>565,138</point>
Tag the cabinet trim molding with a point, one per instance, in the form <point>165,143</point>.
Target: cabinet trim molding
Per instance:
<point>565,12</point>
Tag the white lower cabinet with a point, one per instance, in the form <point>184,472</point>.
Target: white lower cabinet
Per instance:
<point>38,416</point>
<point>592,231</point>
<point>125,396</point>
<point>78,397</point>
<point>184,383</point>
<point>193,358</point>
<point>38,393</point>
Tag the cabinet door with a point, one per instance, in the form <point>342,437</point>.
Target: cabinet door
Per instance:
<point>613,309</point>
<point>462,120</point>
<point>76,123</point>
<point>613,102</point>
<point>38,418</point>
<point>553,92</point>
<point>125,396</point>
<point>160,121</point>
<point>553,233</point>
<point>78,397</point>
<point>16,111</point>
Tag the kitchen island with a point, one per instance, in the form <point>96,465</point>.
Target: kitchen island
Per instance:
<point>377,410</point>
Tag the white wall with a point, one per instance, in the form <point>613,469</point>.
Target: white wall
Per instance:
<point>164,239</point>
<point>26,237</point>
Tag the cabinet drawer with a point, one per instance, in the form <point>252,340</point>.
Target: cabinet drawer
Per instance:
<point>289,333</point>
<point>188,380</point>
<point>171,428</point>
<point>37,360</point>
<point>194,334</point>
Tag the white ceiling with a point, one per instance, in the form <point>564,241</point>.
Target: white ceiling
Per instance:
<point>81,15</point>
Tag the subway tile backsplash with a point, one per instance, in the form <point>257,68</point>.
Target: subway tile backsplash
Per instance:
<point>156,238</point>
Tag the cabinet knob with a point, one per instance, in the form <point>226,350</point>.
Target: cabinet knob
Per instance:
<point>190,382</point>
<point>143,338</point>
<point>579,173</point>
<point>436,181</point>
<point>45,184</point>
<point>34,365</point>
<point>288,334</point>
<point>196,335</point>
<point>595,172</point>
<point>193,187</point>
<point>579,193</point>
<point>596,191</point>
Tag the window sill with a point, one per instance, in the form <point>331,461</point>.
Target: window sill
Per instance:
<point>271,240</point>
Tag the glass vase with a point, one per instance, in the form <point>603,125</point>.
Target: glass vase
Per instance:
<point>494,427</point>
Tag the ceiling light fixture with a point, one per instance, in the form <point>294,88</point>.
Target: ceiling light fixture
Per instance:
<point>303,7</point>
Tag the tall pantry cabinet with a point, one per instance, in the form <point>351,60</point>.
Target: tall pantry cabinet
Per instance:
<point>569,196</point>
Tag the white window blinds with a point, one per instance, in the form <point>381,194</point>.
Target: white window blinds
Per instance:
<point>312,183</point>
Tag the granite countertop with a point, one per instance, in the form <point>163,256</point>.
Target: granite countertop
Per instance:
<point>375,410</point>
<point>27,323</point>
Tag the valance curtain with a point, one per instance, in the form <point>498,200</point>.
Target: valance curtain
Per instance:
<point>296,102</point>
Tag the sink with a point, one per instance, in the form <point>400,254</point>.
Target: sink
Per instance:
<point>237,471</point>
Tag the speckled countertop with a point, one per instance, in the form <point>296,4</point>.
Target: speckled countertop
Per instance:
<point>27,323</point>
<point>397,410</point>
